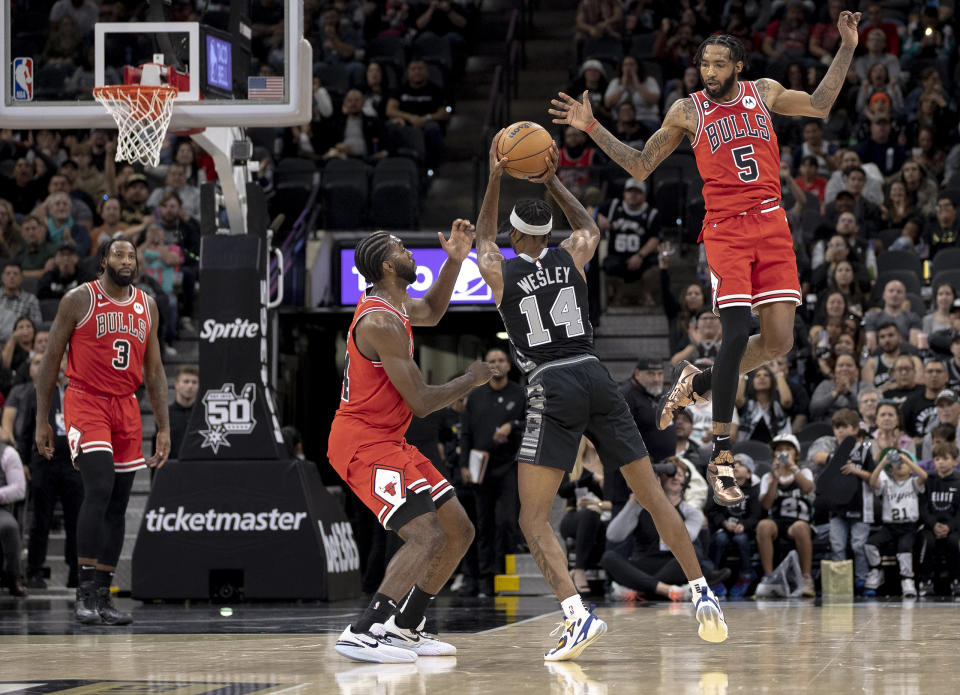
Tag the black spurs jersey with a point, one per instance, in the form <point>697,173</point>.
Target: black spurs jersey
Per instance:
<point>544,308</point>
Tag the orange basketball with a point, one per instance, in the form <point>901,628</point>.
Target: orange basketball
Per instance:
<point>525,145</point>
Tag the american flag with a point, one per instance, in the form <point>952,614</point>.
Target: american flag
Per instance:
<point>265,87</point>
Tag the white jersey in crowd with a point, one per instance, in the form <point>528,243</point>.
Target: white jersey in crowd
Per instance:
<point>702,416</point>
<point>901,500</point>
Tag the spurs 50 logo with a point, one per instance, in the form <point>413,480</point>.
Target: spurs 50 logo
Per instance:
<point>226,413</point>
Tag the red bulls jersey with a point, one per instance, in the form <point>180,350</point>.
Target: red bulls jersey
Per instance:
<point>108,344</point>
<point>371,409</point>
<point>737,153</point>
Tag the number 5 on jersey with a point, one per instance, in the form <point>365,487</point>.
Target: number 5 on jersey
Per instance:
<point>743,158</point>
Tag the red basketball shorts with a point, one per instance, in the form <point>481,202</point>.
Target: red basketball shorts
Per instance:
<point>751,259</point>
<point>389,476</point>
<point>101,422</point>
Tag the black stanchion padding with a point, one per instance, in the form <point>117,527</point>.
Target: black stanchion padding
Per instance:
<point>233,418</point>
<point>244,529</point>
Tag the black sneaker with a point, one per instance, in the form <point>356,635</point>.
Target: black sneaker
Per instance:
<point>718,576</point>
<point>926,588</point>
<point>955,588</point>
<point>85,608</point>
<point>108,612</point>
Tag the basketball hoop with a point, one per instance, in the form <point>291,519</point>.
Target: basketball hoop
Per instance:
<point>142,113</point>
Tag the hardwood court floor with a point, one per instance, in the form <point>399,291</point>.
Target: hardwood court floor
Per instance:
<point>775,647</point>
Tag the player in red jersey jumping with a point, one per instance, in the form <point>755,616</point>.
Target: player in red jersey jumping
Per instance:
<point>382,389</point>
<point>745,233</point>
<point>111,328</point>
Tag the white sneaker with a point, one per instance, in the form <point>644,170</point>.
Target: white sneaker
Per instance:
<point>371,646</point>
<point>713,628</point>
<point>875,578</point>
<point>417,641</point>
<point>809,589</point>
<point>575,636</point>
<point>908,588</point>
<point>618,592</point>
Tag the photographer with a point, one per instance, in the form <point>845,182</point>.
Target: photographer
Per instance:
<point>899,480</point>
<point>652,570</point>
<point>785,494</point>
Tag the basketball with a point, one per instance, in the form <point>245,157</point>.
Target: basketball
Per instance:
<point>525,144</point>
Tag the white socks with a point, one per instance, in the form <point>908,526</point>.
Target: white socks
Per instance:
<point>573,607</point>
<point>699,586</point>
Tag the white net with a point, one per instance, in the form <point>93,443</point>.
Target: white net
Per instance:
<point>142,114</point>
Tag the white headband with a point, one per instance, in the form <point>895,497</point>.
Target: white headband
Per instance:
<point>521,226</point>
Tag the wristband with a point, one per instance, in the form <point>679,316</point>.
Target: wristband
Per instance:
<point>591,126</point>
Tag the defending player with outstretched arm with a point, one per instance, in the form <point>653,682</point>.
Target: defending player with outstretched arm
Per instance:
<point>746,237</point>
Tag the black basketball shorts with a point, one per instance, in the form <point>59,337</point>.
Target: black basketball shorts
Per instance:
<point>571,397</point>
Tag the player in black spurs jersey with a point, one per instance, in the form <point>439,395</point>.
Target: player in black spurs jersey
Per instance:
<point>542,297</point>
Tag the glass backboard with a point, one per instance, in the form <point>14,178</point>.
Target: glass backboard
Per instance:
<point>246,61</point>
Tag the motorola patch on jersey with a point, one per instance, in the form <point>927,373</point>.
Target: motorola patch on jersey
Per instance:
<point>749,102</point>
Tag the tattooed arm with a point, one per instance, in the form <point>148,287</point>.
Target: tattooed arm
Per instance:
<point>790,102</point>
<point>680,120</point>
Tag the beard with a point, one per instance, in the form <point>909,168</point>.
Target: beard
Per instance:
<point>119,279</point>
<point>725,87</point>
<point>408,273</point>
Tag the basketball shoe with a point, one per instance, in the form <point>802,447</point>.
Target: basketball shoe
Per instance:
<point>109,614</point>
<point>680,394</point>
<point>576,634</point>
<point>713,628</point>
<point>726,492</point>
<point>85,608</point>
<point>618,592</point>
<point>415,640</point>
<point>371,646</point>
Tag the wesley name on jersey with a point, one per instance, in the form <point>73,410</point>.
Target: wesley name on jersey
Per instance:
<point>543,277</point>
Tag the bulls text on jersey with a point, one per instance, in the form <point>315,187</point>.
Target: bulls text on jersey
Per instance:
<point>117,322</point>
<point>729,128</point>
<point>544,277</point>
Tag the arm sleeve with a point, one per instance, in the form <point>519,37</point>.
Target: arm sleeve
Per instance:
<point>16,487</point>
<point>623,524</point>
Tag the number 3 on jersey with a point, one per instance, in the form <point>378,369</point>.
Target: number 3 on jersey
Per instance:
<point>564,312</point>
<point>743,158</point>
<point>122,359</point>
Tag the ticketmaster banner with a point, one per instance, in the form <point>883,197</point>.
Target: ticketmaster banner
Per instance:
<point>470,287</point>
<point>270,527</point>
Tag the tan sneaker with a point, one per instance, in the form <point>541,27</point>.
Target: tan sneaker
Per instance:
<point>680,395</point>
<point>726,492</point>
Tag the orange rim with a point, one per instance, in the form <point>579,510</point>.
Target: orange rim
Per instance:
<point>146,101</point>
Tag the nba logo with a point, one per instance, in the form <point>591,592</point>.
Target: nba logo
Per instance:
<point>23,79</point>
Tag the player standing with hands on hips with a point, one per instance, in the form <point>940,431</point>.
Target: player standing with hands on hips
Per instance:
<point>745,233</point>
<point>111,328</point>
